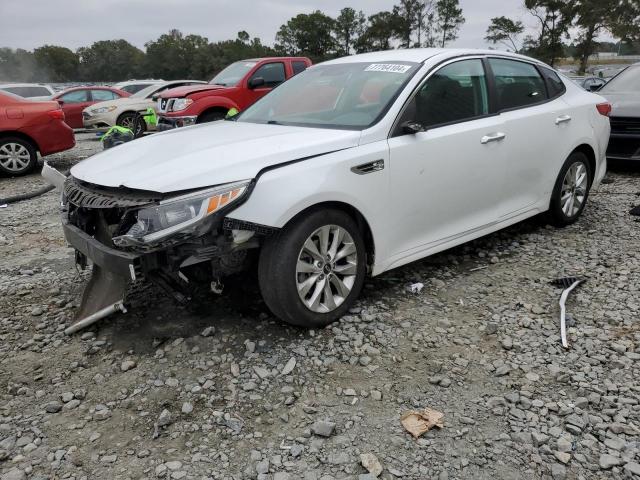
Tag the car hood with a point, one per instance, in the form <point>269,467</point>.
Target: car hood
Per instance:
<point>623,104</point>
<point>181,92</point>
<point>121,102</point>
<point>207,155</point>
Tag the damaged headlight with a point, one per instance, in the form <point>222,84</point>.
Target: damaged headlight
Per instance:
<point>98,111</point>
<point>181,214</point>
<point>181,104</point>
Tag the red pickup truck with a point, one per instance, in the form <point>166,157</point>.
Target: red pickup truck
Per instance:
<point>237,86</point>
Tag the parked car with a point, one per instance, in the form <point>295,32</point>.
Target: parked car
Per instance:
<point>591,84</point>
<point>353,167</point>
<point>32,91</point>
<point>28,127</point>
<point>134,86</point>
<point>623,92</point>
<point>75,100</point>
<point>237,86</point>
<point>122,111</point>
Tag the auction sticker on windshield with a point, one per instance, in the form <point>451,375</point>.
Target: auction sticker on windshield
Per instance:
<point>387,67</point>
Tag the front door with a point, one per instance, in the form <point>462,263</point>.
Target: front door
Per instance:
<point>272,74</point>
<point>447,180</point>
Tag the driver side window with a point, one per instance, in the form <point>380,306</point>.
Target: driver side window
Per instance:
<point>273,74</point>
<point>455,93</point>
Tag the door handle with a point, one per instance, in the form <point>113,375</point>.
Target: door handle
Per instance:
<point>494,137</point>
<point>563,119</point>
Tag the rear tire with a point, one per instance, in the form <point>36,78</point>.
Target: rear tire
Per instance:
<point>17,156</point>
<point>212,116</point>
<point>312,271</point>
<point>571,190</point>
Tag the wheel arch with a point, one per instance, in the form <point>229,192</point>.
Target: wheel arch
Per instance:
<point>590,153</point>
<point>211,109</point>
<point>23,136</point>
<point>354,213</point>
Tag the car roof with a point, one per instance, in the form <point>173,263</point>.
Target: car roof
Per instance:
<point>4,85</point>
<point>420,55</point>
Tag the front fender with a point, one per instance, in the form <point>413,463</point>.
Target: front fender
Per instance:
<point>282,192</point>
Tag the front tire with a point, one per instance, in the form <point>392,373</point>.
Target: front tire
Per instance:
<point>17,156</point>
<point>213,116</point>
<point>312,271</point>
<point>130,120</point>
<point>571,190</point>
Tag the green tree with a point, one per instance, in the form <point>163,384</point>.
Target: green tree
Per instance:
<point>405,21</point>
<point>449,20</point>
<point>506,31</point>
<point>110,61</point>
<point>347,28</point>
<point>307,34</point>
<point>17,65</point>
<point>424,26</point>
<point>378,33</point>
<point>56,64</point>
<point>174,56</point>
<point>554,20</point>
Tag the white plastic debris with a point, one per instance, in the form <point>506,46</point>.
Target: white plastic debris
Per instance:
<point>416,287</point>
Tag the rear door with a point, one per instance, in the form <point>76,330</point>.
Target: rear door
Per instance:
<point>535,125</point>
<point>73,104</point>
<point>447,180</point>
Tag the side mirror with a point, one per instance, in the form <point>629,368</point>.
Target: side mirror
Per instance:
<point>411,127</point>
<point>594,87</point>
<point>256,82</point>
<point>60,102</point>
<point>155,98</point>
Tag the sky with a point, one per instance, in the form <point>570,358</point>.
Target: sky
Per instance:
<point>75,23</point>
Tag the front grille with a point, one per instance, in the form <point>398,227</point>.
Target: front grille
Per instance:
<point>628,125</point>
<point>86,196</point>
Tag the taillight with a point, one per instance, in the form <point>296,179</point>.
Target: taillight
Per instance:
<point>56,114</point>
<point>604,108</point>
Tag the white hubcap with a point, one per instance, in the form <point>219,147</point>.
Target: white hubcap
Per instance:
<point>574,189</point>
<point>327,268</point>
<point>14,157</point>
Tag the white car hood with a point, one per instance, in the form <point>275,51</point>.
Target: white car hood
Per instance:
<point>206,155</point>
<point>120,102</point>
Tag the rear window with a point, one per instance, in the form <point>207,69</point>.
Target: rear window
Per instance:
<point>28,92</point>
<point>298,67</point>
<point>555,85</point>
<point>518,83</point>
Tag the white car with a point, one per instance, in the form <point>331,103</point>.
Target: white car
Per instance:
<point>356,166</point>
<point>31,91</point>
<point>123,111</point>
<point>134,86</point>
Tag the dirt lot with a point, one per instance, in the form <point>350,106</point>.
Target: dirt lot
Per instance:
<point>221,390</point>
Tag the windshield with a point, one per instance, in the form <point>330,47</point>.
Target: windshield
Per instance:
<point>145,92</point>
<point>231,75</point>
<point>626,81</point>
<point>345,95</point>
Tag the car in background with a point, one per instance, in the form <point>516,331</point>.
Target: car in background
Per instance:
<point>29,127</point>
<point>124,111</point>
<point>353,167</point>
<point>590,84</point>
<point>32,91</point>
<point>134,86</point>
<point>74,100</point>
<point>623,92</point>
<point>237,86</point>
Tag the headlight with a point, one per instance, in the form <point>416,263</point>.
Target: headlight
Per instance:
<point>181,104</point>
<point>181,214</point>
<point>97,111</point>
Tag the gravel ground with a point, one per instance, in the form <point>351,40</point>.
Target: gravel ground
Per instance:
<point>222,390</point>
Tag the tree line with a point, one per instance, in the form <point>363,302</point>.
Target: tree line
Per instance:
<point>409,24</point>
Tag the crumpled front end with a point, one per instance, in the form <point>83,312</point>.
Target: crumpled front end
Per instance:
<point>116,230</point>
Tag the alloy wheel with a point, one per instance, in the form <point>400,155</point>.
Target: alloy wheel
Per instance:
<point>326,268</point>
<point>14,157</point>
<point>574,189</point>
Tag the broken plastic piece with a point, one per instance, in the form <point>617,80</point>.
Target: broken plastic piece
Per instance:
<point>416,287</point>
<point>568,283</point>
<point>419,422</point>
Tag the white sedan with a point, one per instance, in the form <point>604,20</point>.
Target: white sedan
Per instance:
<point>123,111</point>
<point>356,166</point>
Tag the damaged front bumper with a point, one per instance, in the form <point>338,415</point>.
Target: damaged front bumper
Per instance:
<point>169,123</point>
